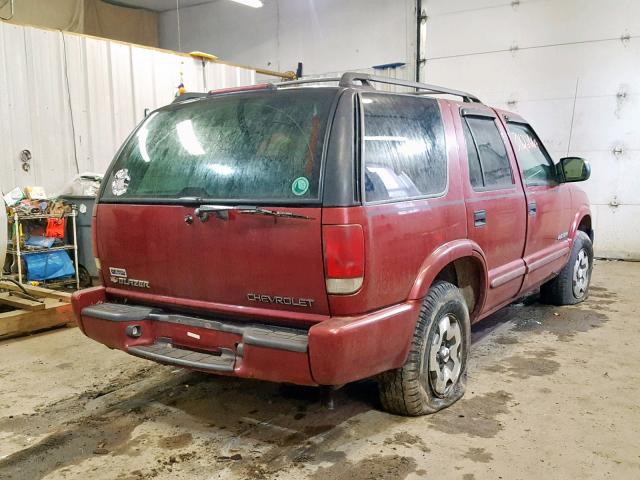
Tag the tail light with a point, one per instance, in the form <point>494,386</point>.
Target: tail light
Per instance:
<point>94,238</point>
<point>343,258</point>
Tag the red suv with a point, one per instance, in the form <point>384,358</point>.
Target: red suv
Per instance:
<point>319,235</point>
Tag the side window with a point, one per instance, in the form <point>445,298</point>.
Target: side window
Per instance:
<point>537,166</point>
<point>486,152</point>
<point>404,147</point>
<point>475,170</point>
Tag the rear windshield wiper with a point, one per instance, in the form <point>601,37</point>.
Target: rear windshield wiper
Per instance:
<point>272,213</point>
<point>222,212</point>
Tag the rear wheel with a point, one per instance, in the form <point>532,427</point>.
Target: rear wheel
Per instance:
<point>571,286</point>
<point>435,373</point>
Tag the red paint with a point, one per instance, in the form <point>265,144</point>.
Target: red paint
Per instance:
<point>444,255</point>
<point>84,298</point>
<point>333,344</point>
<point>502,240</point>
<point>268,314</point>
<point>255,362</point>
<point>345,349</point>
<point>400,247</point>
<point>215,263</point>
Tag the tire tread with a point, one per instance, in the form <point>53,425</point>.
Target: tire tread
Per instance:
<point>400,390</point>
<point>559,290</point>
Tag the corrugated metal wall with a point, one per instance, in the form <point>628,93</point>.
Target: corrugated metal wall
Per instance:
<point>66,96</point>
<point>542,57</point>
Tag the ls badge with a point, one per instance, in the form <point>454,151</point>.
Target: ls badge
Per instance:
<point>119,277</point>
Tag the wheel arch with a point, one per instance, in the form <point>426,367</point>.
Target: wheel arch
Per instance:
<point>582,222</point>
<point>460,262</point>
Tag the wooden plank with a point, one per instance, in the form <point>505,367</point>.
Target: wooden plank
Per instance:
<point>37,291</point>
<point>19,302</point>
<point>22,322</point>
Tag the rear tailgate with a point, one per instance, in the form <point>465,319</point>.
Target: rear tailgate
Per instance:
<point>256,155</point>
<point>243,262</point>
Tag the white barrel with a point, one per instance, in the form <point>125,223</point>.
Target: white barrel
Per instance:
<point>3,234</point>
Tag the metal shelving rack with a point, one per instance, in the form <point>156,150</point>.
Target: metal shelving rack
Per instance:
<point>19,252</point>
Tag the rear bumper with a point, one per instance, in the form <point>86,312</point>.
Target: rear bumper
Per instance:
<point>333,352</point>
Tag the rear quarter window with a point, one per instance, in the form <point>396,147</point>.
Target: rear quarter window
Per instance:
<point>404,147</point>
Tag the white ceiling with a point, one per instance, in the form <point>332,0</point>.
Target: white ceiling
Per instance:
<point>159,5</point>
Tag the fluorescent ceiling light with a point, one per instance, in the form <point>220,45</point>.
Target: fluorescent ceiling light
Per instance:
<point>224,170</point>
<point>188,138</point>
<point>384,138</point>
<point>143,134</point>
<point>250,3</point>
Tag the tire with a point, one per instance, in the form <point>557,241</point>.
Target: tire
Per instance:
<point>571,286</point>
<point>419,387</point>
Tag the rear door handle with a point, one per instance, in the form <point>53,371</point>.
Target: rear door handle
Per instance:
<point>532,208</point>
<point>480,218</point>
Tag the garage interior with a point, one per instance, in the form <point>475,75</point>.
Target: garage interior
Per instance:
<point>552,392</point>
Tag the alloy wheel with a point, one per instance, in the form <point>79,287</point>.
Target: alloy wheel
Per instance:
<point>581,274</point>
<point>445,355</point>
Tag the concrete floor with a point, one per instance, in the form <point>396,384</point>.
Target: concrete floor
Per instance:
<point>553,393</point>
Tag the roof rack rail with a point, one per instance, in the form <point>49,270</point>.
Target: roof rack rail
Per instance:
<point>243,88</point>
<point>302,81</point>
<point>350,79</point>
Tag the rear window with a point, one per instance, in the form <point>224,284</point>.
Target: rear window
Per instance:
<point>404,147</point>
<point>257,146</point>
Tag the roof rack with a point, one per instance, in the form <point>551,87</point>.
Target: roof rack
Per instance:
<point>351,79</point>
<point>302,81</point>
<point>191,95</point>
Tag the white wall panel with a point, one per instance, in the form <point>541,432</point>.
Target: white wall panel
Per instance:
<point>76,64</point>
<point>613,226</point>
<point>613,179</point>
<point>327,35</point>
<point>399,73</point>
<point>15,114</point>
<point>122,94</point>
<point>63,95</point>
<point>143,80</point>
<point>100,107</point>
<point>604,68</point>
<point>166,73</point>
<point>561,44</point>
<point>525,24</point>
<point>463,6</point>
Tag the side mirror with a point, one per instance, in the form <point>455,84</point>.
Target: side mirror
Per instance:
<point>574,169</point>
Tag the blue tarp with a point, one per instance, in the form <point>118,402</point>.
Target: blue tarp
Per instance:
<point>48,266</point>
<point>36,241</point>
